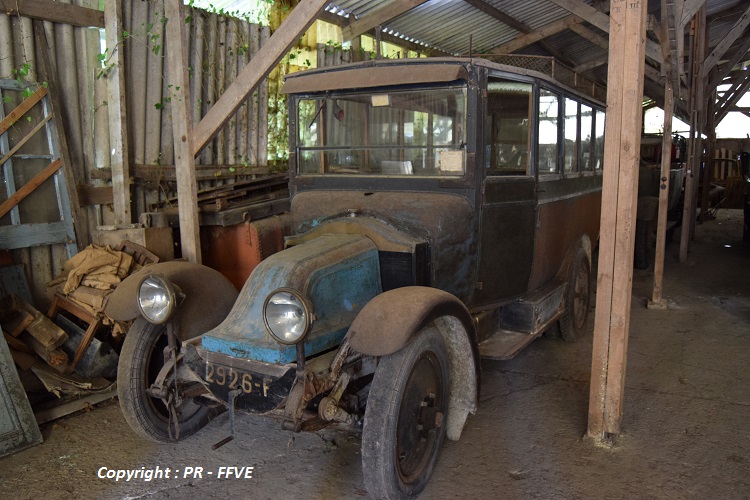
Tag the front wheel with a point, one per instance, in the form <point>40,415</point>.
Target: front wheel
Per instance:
<point>403,426</point>
<point>573,320</point>
<point>141,359</point>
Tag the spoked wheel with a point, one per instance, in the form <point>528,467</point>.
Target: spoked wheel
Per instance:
<point>141,359</point>
<point>403,426</point>
<point>573,321</point>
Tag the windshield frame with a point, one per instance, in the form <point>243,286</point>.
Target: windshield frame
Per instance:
<point>458,144</point>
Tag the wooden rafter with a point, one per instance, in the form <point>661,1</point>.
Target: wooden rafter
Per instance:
<point>594,63</point>
<point>730,98</point>
<point>689,9</point>
<point>724,70</point>
<point>517,25</point>
<point>378,17</point>
<point>721,48</point>
<point>537,35</point>
<point>601,21</point>
<point>590,35</point>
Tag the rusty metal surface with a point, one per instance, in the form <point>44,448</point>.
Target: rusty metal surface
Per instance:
<point>562,221</point>
<point>389,320</point>
<point>448,222</point>
<point>236,250</point>
<point>365,75</point>
<point>209,296</point>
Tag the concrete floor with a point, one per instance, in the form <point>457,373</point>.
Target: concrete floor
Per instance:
<point>685,430</point>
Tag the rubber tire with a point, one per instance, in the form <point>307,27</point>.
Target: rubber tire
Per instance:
<point>379,441</point>
<point>642,245</point>
<point>140,361</point>
<point>573,321</point>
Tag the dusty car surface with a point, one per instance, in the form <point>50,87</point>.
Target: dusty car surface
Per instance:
<point>441,208</point>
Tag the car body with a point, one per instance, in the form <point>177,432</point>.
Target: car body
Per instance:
<point>439,207</point>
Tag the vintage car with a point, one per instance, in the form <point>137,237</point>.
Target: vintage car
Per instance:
<point>441,208</point>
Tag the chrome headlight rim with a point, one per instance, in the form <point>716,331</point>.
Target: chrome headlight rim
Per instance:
<point>306,306</point>
<point>170,291</point>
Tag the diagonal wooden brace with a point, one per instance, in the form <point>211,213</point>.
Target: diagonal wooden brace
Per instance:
<point>30,186</point>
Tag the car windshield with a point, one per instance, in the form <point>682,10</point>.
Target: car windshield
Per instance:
<point>407,132</point>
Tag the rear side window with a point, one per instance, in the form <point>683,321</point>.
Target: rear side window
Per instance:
<point>509,119</point>
<point>549,132</point>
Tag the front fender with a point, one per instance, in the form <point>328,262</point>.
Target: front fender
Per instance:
<point>390,320</point>
<point>209,296</point>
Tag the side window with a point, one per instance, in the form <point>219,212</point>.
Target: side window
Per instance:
<point>508,118</point>
<point>587,126</point>
<point>599,140</point>
<point>549,126</point>
<point>570,156</point>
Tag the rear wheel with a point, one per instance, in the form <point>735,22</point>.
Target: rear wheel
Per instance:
<point>141,359</point>
<point>573,320</point>
<point>403,427</point>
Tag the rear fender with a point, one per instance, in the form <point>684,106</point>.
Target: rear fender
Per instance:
<point>209,296</point>
<point>387,323</point>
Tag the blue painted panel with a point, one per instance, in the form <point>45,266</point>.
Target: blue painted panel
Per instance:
<point>339,274</point>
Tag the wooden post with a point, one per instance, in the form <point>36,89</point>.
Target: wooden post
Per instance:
<point>666,160</point>
<point>182,130</point>
<point>710,150</point>
<point>619,202</point>
<point>695,147</point>
<point>118,123</point>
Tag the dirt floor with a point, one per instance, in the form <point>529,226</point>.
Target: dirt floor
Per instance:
<point>685,430</point>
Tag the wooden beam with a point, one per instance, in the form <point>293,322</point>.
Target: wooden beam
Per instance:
<point>695,148</point>
<point>737,92</point>
<point>22,109</point>
<point>666,161</point>
<point>537,35</point>
<point>94,195</point>
<point>26,138</point>
<point>182,129</point>
<point>725,69</point>
<point>590,35</point>
<point>721,48</point>
<point>594,63</point>
<point>689,8</point>
<point>116,110</point>
<point>500,15</point>
<point>264,61</point>
<point>602,21</point>
<point>379,16</point>
<point>619,202</point>
<point>29,187</point>
<point>60,139</point>
<point>56,12</point>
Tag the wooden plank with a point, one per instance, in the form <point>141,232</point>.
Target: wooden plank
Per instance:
<point>182,132</point>
<point>590,35</point>
<point>727,67</point>
<point>243,128</point>
<point>15,318</point>
<point>43,330</point>
<point>269,55</point>
<point>689,9</point>
<point>390,10</point>
<point>116,108</point>
<point>137,75</point>
<point>44,416</point>
<point>29,187</point>
<point>221,75</point>
<point>536,35</point>
<point>257,114</point>
<point>89,195</point>
<point>21,110</point>
<point>230,49</point>
<point>265,34</point>
<point>24,360</point>
<point>23,141</point>
<point>594,63</point>
<point>209,86</point>
<point>80,222</point>
<point>198,41</point>
<point>666,160</point>
<point>619,203</point>
<point>155,66</point>
<point>56,12</point>
<point>721,48</point>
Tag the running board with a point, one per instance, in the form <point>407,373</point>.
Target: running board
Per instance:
<point>505,344</point>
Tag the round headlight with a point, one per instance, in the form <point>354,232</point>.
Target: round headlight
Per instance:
<point>287,316</point>
<point>156,299</point>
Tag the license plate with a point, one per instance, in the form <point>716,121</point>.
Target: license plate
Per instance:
<point>259,392</point>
